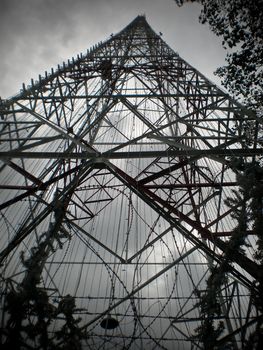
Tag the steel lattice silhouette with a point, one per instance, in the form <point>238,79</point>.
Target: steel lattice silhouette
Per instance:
<point>114,175</point>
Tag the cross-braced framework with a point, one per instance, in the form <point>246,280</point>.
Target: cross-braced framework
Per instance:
<point>114,175</point>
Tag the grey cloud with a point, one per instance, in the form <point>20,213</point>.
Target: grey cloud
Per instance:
<point>38,34</point>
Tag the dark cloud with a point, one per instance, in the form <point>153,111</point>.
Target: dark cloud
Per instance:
<point>38,34</point>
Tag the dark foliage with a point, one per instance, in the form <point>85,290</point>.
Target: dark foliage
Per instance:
<point>240,24</point>
<point>28,309</point>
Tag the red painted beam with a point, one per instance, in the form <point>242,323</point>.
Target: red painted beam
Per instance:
<point>41,187</point>
<point>248,265</point>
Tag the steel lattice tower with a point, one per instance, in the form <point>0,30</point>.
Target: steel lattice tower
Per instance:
<point>114,175</point>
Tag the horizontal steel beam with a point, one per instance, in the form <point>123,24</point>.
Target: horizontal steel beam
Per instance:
<point>141,286</point>
<point>118,96</point>
<point>166,210</point>
<point>193,185</point>
<point>124,155</point>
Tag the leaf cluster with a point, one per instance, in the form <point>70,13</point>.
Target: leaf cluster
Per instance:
<point>28,310</point>
<point>240,24</point>
<point>246,205</point>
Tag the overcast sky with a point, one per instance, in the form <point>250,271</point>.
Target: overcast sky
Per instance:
<point>36,35</point>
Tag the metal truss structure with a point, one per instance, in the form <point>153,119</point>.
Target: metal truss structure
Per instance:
<point>115,169</point>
